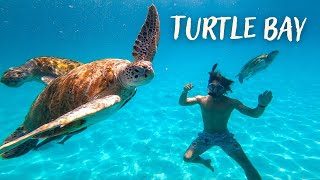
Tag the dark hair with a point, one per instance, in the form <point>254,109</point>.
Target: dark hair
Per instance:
<point>226,83</point>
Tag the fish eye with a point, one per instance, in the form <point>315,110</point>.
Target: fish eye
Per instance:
<point>136,70</point>
<point>136,76</point>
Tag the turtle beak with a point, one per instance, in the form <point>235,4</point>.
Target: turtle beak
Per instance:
<point>148,70</point>
<point>149,74</point>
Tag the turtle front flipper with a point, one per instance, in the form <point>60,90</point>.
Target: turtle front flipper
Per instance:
<point>83,112</point>
<point>146,44</point>
<point>42,69</point>
<point>22,148</point>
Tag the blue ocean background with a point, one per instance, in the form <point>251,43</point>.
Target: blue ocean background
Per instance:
<point>148,137</point>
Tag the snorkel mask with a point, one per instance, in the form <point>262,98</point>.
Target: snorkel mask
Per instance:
<point>215,88</point>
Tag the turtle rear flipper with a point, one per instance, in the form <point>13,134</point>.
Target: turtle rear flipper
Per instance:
<point>47,79</point>
<point>46,141</point>
<point>84,111</point>
<point>21,149</point>
<point>16,76</point>
<point>62,138</point>
<point>67,137</point>
<point>146,44</point>
<point>43,69</point>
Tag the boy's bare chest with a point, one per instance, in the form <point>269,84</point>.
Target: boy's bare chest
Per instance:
<point>217,108</point>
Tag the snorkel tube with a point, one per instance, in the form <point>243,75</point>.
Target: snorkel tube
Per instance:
<point>213,89</point>
<point>211,73</point>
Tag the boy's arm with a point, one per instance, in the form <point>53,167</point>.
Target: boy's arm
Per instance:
<point>264,100</point>
<point>184,100</point>
<point>256,112</point>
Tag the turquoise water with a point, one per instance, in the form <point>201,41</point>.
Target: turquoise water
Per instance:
<point>147,138</point>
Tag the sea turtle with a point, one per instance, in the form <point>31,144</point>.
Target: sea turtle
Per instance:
<point>87,94</point>
<point>42,69</point>
<point>256,64</point>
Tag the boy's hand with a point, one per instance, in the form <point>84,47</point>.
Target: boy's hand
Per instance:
<point>188,87</point>
<point>265,98</point>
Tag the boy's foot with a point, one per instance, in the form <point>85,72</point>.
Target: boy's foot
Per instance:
<point>207,163</point>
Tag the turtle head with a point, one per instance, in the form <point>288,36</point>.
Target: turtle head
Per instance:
<point>272,55</point>
<point>15,77</point>
<point>137,74</point>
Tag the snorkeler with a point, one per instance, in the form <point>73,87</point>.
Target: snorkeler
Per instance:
<point>216,109</point>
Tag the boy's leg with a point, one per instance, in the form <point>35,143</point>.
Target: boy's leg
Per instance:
<point>234,150</point>
<point>194,151</point>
